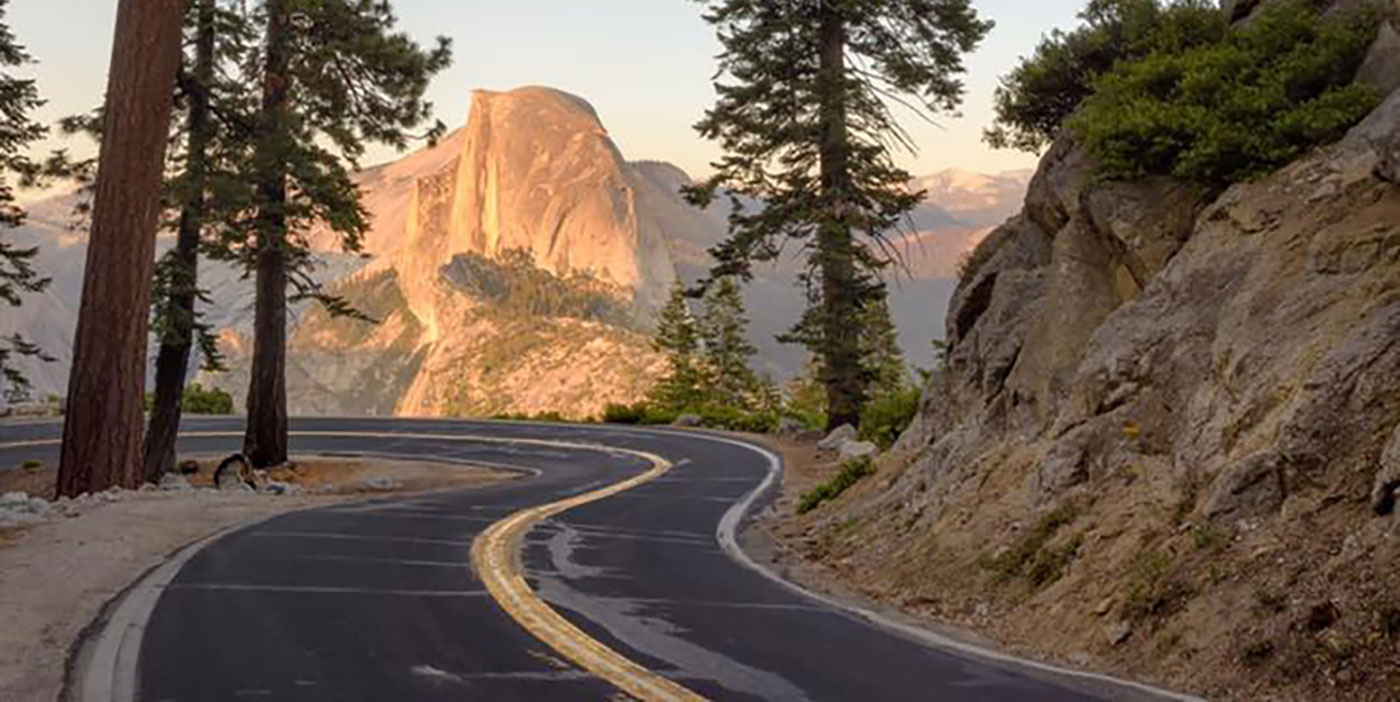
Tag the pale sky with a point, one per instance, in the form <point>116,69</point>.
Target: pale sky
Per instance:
<point>646,65</point>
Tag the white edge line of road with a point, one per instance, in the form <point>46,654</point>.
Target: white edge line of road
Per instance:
<point>109,657</point>
<point>105,664</point>
<point>727,533</point>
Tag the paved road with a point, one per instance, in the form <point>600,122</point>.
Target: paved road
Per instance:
<point>377,601</point>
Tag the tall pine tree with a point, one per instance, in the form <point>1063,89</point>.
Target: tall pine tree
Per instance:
<point>808,134</point>
<point>881,357</point>
<point>210,140</point>
<point>727,351</point>
<point>334,76</point>
<point>102,429</point>
<point>678,337</point>
<point>18,99</point>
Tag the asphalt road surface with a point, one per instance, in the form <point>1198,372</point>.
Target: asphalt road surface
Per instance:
<point>378,600</point>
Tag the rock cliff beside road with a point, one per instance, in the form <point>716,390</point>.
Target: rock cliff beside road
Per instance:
<point>1166,439</point>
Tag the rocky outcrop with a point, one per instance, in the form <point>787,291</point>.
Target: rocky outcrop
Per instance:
<point>1191,400</point>
<point>1134,304</point>
<point>1381,69</point>
<point>1387,485</point>
<point>537,171</point>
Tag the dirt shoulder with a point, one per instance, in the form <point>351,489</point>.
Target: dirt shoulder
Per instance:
<point>796,547</point>
<point>56,573</point>
<point>1109,601</point>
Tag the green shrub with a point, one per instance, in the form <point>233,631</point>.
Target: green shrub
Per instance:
<point>852,472</point>
<point>762,422</point>
<point>1154,590</point>
<point>514,283</point>
<point>712,416</point>
<point>1036,98</point>
<point>884,418</point>
<point>1030,557</point>
<point>656,415</point>
<point>551,416</point>
<point>615,413</point>
<point>198,400</point>
<point>1233,109</point>
<point>737,419</point>
<point>1049,563</point>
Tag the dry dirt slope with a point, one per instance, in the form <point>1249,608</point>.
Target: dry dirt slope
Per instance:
<point>1164,434</point>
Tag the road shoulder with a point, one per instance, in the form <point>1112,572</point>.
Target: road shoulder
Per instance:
<point>771,542</point>
<point>58,574</point>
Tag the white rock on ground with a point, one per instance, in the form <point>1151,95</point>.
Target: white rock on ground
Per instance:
<point>277,487</point>
<point>17,508</point>
<point>379,482</point>
<point>853,450</point>
<point>174,482</point>
<point>688,420</point>
<point>838,436</point>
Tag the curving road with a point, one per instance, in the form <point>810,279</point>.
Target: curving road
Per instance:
<point>378,600</point>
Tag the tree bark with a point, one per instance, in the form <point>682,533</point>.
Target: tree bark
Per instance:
<point>173,360</point>
<point>265,441</point>
<point>102,430</point>
<point>845,386</point>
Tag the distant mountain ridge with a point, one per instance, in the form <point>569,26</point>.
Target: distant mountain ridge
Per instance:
<point>533,169</point>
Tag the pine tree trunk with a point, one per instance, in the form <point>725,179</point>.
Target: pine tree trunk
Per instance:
<point>102,430</point>
<point>265,442</point>
<point>172,363</point>
<point>835,253</point>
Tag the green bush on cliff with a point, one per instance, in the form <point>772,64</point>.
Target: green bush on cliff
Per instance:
<point>1171,88</point>
<point>852,472</point>
<point>1036,98</point>
<point>886,416</point>
<point>1233,109</point>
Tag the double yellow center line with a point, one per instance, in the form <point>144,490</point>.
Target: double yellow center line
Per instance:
<point>495,558</point>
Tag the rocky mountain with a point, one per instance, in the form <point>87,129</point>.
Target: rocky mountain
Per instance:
<point>1166,441</point>
<point>532,170</point>
<point>976,199</point>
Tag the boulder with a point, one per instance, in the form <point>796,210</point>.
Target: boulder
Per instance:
<point>1055,192</point>
<point>1388,165</point>
<point>854,450</point>
<point>838,436</point>
<point>1253,487</point>
<point>174,482</point>
<point>20,508</point>
<point>277,487</point>
<point>1387,486</point>
<point>39,507</point>
<point>189,467</point>
<point>688,421</point>
<point>1236,10</point>
<point>1147,220</point>
<point>1381,69</point>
